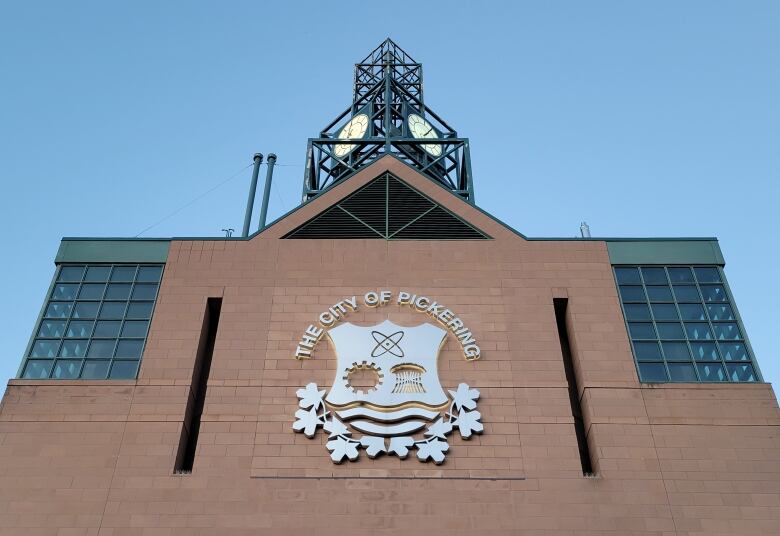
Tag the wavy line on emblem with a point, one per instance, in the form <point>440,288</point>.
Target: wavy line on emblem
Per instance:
<point>387,430</point>
<point>387,416</point>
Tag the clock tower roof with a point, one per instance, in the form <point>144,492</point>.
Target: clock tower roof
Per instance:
<point>388,116</point>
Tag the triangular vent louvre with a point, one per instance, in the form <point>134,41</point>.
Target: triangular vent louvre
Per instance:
<point>391,209</point>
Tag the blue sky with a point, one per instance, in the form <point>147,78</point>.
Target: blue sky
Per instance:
<point>644,119</point>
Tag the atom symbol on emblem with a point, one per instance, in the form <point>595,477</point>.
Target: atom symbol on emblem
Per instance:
<point>387,343</point>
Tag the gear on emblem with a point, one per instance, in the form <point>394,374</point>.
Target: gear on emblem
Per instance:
<point>363,377</point>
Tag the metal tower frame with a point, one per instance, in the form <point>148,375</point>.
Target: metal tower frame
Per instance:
<point>387,88</point>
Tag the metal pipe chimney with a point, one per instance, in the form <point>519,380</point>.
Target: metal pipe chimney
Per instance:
<point>267,190</point>
<point>250,202</point>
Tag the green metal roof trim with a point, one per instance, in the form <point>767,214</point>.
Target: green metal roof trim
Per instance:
<point>665,251</point>
<point>113,250</point>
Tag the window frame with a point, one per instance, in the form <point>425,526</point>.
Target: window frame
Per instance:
<point>708,320</point>
<point>70,317</point>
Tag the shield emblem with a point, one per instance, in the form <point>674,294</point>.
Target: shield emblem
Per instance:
<point>400,390</point>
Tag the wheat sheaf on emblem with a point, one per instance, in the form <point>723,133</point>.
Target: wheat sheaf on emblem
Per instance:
<point>408,378</point>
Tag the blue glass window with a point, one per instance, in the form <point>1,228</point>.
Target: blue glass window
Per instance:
<point>637,312</point>
<point>96,320</point>
<point>71,273</point>
<point>683,325</point>
<point>713,293</point>
<point>654,276</point>
<point>97,273</point>
<point>692,311</point>
<point>139,310</point>
<point>647,351</point>
<point>91,291</point>
<point>653,372</point>
<point>628,276</point>
<point>45,348</point>
<point>664,311</point>
<point>123,370</point>
<point>682,372</point>
<point>632,294</point>
<point>705,351</point>
<point>107,328</point>
<point>681,275</point>
<point>741,372</point>
<point>686,293</point>
<point>660,294</point>
<point>102,348</point>
<point>58,309</point>
<point>64,291</point>
<point>676,351</point>
<point>698,331</point>
<point>707,274</point>
<point>95,369</point>
<point>711,372</point>
<point>51,328</point>
<point>113,310</point>
<point>641,330</point>
<point>66,369</point>
<point>79,328</point>
<point>85,309</point>
<point>37,369</point>
<point>720,312</point>
<point>734,351</point>
<point>670,330</point>
<point>74,348</point>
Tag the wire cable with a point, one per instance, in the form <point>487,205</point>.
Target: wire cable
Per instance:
<point>198,198</point>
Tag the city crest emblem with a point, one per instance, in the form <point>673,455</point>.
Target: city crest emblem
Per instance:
<point>386,397</point>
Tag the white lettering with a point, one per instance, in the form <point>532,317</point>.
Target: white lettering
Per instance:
<point>446,315</point>
<point>421,303</point>
<point>302,353</point>
<point>465,338</point>
<point>327,319</point>
<point>314,331</point>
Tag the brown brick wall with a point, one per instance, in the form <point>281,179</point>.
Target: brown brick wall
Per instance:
<point>80,458</point>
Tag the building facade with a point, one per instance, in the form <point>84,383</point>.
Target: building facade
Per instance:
<point>389,357</point>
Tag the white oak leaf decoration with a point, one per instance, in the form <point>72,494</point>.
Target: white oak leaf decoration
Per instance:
<point>464,397</point>
<point>341,448</point>
<point>439,429</point>
<point>374,445</point>
<point>461,414</point>
<point>468,422</point>
<point>307,422</point>
<point>433,449</point>
<point>400,446</point>
<point>336,428</point>
<point>310,396</point>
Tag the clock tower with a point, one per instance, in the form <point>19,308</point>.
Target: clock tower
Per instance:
<point>388,116</point>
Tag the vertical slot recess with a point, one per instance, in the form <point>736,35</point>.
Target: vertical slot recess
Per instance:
<point>561,304</point>
<point>188,442</point>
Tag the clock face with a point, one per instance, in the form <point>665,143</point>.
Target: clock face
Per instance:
<point>354,129</point>
<point>420,128</point>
